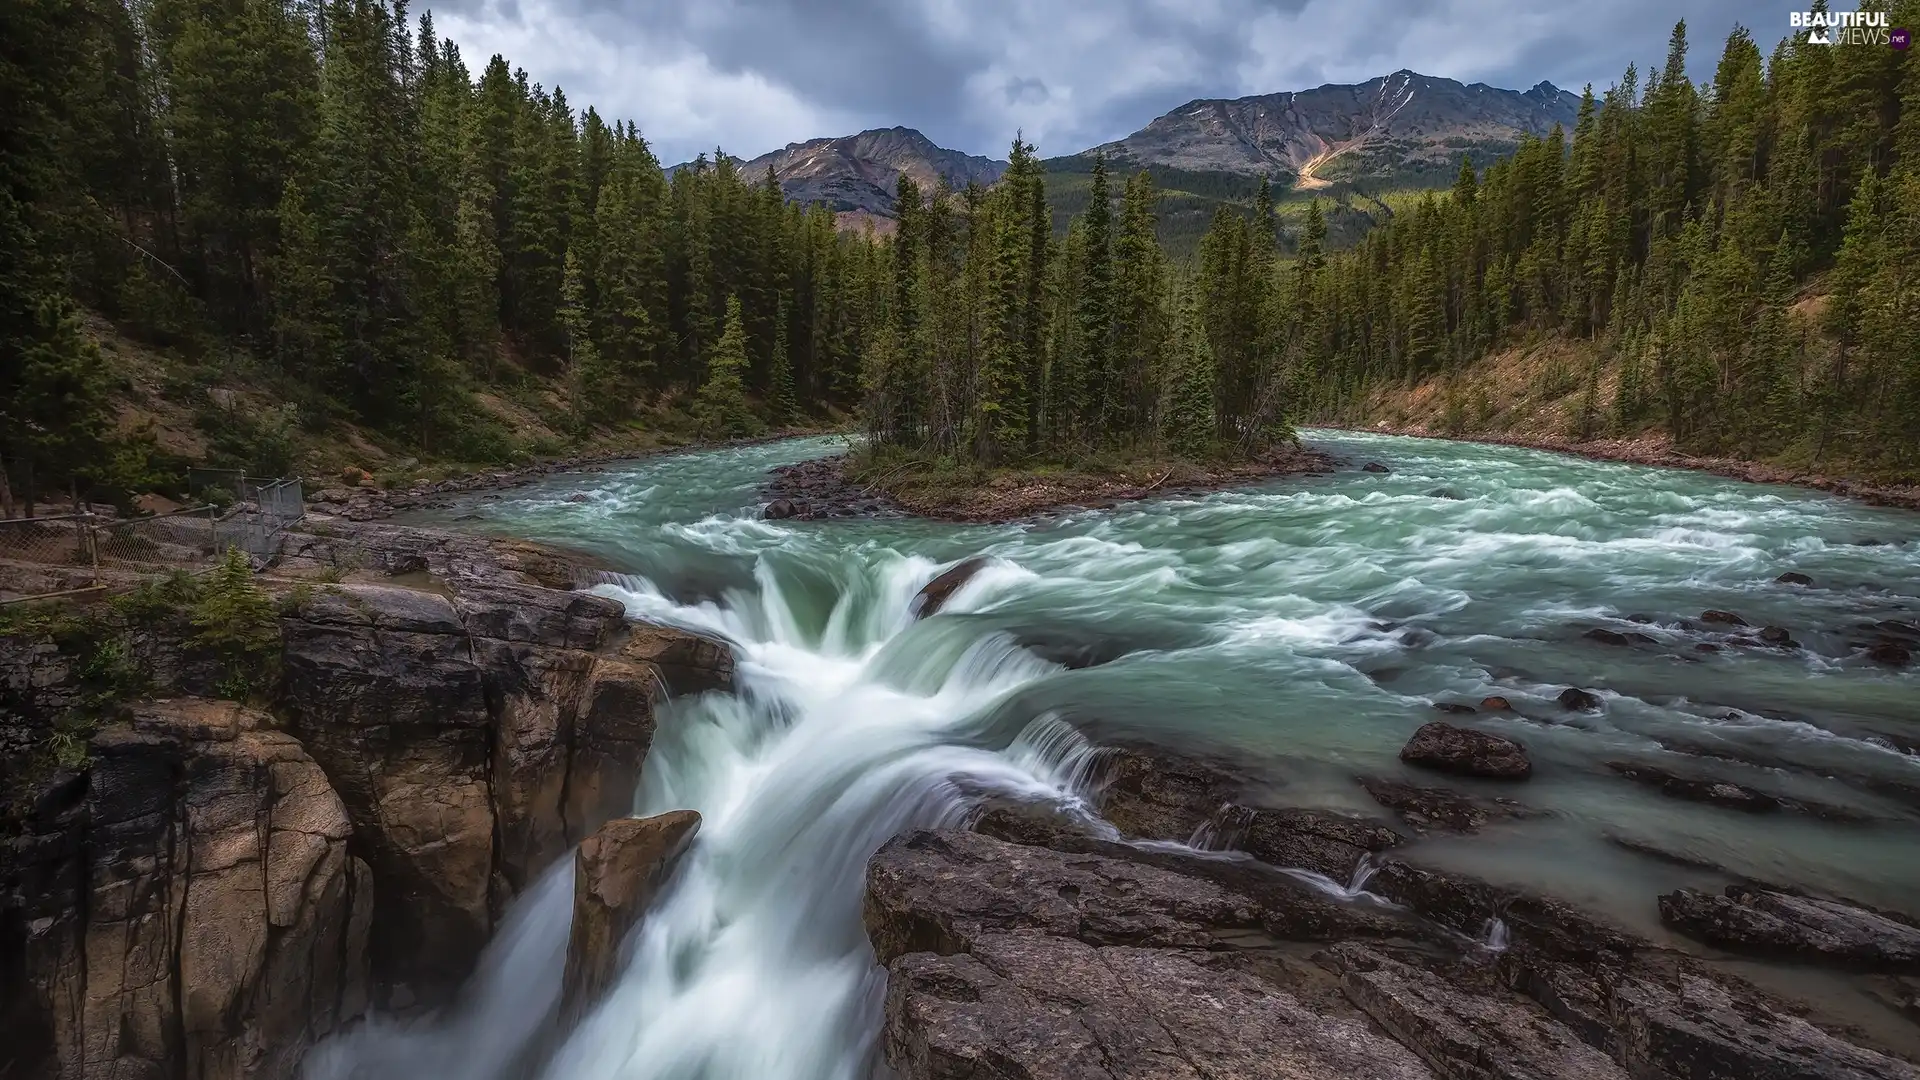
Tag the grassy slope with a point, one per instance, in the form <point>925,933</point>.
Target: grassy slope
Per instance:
<point>1535,394</point>
<point>224,410</point>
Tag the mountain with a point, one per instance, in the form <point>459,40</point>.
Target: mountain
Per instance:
<point>1403,129</point>
<point>855,174</point>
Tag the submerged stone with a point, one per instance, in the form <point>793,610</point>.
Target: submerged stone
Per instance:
<point>1443,746</point>
<point>1579,700</point>
<point>934,595</point>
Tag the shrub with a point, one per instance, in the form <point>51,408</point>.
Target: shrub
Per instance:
<point>238,622</point>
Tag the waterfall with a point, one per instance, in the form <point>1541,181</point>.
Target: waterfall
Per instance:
<point>753,964</point>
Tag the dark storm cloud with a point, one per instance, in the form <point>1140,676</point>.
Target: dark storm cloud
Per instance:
<point>752,75</point>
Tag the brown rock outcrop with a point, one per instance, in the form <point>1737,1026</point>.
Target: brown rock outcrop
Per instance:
<point>616,873</point>
<point>190,905</point>
<point>478,737</point>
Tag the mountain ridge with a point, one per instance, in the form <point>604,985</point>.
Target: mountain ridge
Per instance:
<point>856,174</point>
<point>1395,131</point>
<point>1395,124</point>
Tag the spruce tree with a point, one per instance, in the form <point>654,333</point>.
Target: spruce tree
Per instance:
<point>722,404</point>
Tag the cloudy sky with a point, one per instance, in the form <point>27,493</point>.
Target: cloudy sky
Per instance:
<point>753,75</point>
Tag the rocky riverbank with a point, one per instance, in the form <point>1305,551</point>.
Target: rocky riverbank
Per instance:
<point>1659,452</point>
<point>195,887</point>
<point>825,487</point>
<point>1041,946</point>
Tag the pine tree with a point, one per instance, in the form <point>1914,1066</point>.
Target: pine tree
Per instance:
<point>783,404</point>
<point>1189,428</point>
<point>722,403</point>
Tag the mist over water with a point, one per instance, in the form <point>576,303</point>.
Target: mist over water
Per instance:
<point>1304,626</point>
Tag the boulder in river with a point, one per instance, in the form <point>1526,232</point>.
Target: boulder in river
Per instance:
<point>1778,635</point>
<point>1579,700</point>
<point>1891,654</point>
<point>1724,618</point>
<point>1448,748</point>
<point>1454,708</point>
<point>616,873</point>
<point>1438,808</point>
<point>1375,467</point>
<point>1697,789</point>
<point>1771,923</point>
<point>934,594</point>
<point>1495,703</point>
<point>1793,577</point>
<point>780,510</point>
<point>1605,636</point>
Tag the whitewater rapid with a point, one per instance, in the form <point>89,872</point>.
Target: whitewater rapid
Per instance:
<point>1306,626</point>
<point>754,963</point>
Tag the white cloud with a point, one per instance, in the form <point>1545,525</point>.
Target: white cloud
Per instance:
<point>681,102</point>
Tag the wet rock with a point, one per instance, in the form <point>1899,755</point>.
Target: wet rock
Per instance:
<point>780,510</point>
<point>1706,647</point>
<point>1374,467</point>
<point>1038,1007</point>
<point>616,874</point>
<point>1770,923</point>
<point>1723,618</point>
<point>1685,1024</point>
<point>1779,636</point>
<point>1793,577</point>
<point>934,595</point>
<point>1156,795</point>
<point>1443,493</point>
<point>1454,708</point>
<point>1579,700</point>
<point>1496,704</point>
<point>1605,636</point>
<point>1414,638</point>
<point>1643,620</point>
<point>1448,748</point>
<point>1463,1033</point>
<point>1697,789</point>
<point>1890,654</point>
<point>579,497</point>
<point>939,891</point>
<point>688,663</point>
<point>1324,842</point>
<point>1438,808</point>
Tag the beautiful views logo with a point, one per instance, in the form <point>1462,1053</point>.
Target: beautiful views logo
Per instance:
<point>1848,28</point>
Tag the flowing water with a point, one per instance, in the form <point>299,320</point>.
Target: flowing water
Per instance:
<point>1305,626</point>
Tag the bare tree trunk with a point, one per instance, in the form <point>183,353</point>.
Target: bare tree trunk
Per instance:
<point>6,491</point>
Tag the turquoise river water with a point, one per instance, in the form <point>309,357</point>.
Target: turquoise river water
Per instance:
<point>1304,627</point>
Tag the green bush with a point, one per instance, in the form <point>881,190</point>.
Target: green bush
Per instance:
<point>238,622</point>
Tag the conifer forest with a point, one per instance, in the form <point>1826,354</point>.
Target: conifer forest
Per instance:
<point>333,192</point>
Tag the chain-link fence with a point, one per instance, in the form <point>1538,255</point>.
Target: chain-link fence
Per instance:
<point>52,555</point>
<point>57,541</point>
<point>183,538</point>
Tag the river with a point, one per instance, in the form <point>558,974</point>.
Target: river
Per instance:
<point>1304,627</point>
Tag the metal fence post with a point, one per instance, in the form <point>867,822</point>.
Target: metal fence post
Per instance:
<point>93,551</point>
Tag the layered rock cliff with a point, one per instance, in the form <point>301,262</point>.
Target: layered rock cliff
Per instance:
<point>203,889</point>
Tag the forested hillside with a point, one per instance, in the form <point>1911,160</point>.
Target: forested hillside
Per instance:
<point>325,202</point>
<point>1734,264</point>
<point>328,202</point>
